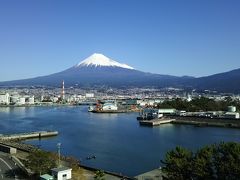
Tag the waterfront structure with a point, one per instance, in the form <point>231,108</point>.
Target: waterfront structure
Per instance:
<point>231,115</point>
<point>166,111</point>
<point>4,98</point>
<point>62,173</point>
<point>149,114</point>
<point>110,106</point>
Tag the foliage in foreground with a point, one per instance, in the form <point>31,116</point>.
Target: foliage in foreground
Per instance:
<point>99,175</point>
<point>218,161</point>
<point>41,162</point>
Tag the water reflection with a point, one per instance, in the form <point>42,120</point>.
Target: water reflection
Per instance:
<point>4,110</point>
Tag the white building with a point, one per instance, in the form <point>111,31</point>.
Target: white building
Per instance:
<point>55,99</point>
<point>21,101</point>
<point>31,100</point>
<point>189,98</point>
<point>232,115</point>
<point>146,102</point>
<point>4,99</point>
<point>109,107</point>
<point>89,95</point>
<point>232,108</point>
<point>62,173</point>
<point>166,111</point>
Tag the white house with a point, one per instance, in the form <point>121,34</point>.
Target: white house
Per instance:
<point>62,173</point>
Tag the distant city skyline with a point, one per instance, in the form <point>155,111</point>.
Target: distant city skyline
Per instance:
<point>194,38</point>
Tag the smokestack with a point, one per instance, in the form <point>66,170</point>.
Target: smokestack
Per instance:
<point>63,91</point>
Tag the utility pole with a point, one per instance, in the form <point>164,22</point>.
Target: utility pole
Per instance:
<point>59,153</point>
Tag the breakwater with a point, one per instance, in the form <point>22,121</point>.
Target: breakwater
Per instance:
<point>155,122</point>
<point>30,135</point>
<point>19,145</point>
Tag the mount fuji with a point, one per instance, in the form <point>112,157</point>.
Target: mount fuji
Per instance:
<point>99,70</point>
<point>99,60</point>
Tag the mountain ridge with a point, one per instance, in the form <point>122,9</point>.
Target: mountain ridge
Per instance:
<point>95,72</point>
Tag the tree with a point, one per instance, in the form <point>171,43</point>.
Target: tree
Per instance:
<point>203,163</point>
<point>178,164</point>
<point>218,161</point>
<point>227,160</point>
<point>200,104</point>
<point>40,161</point>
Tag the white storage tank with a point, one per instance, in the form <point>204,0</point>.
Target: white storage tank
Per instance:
<point>232,109</point>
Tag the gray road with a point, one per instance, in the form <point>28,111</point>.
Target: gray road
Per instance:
<point>8,169</point>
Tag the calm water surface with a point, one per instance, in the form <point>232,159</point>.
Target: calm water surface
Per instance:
<point>119,143</point>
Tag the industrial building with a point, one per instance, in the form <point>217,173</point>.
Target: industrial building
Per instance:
<point>110,106</point>
<point>231,115</point>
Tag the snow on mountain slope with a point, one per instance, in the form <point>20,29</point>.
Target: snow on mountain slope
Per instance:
<point>99,60</point>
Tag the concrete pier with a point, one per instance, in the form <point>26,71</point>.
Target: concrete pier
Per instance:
<point>196,121</point>
<point>155,122</point>
<point>30,135</point>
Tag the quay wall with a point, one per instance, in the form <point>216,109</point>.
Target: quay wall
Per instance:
<point>20,136</point>
<point>204,121</point>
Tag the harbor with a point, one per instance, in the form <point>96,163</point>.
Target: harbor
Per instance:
<point>77,122</point>
<point>114,106</point>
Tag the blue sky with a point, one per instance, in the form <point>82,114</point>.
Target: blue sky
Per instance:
<point>176,37</point>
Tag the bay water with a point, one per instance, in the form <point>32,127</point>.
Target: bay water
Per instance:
<point>119,143</point>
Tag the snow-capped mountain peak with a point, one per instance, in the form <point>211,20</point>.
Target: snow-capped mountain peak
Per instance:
<point>99,60</point>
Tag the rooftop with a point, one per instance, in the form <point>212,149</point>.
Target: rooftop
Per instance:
<point>46,176</point>
<point>61,169</point>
